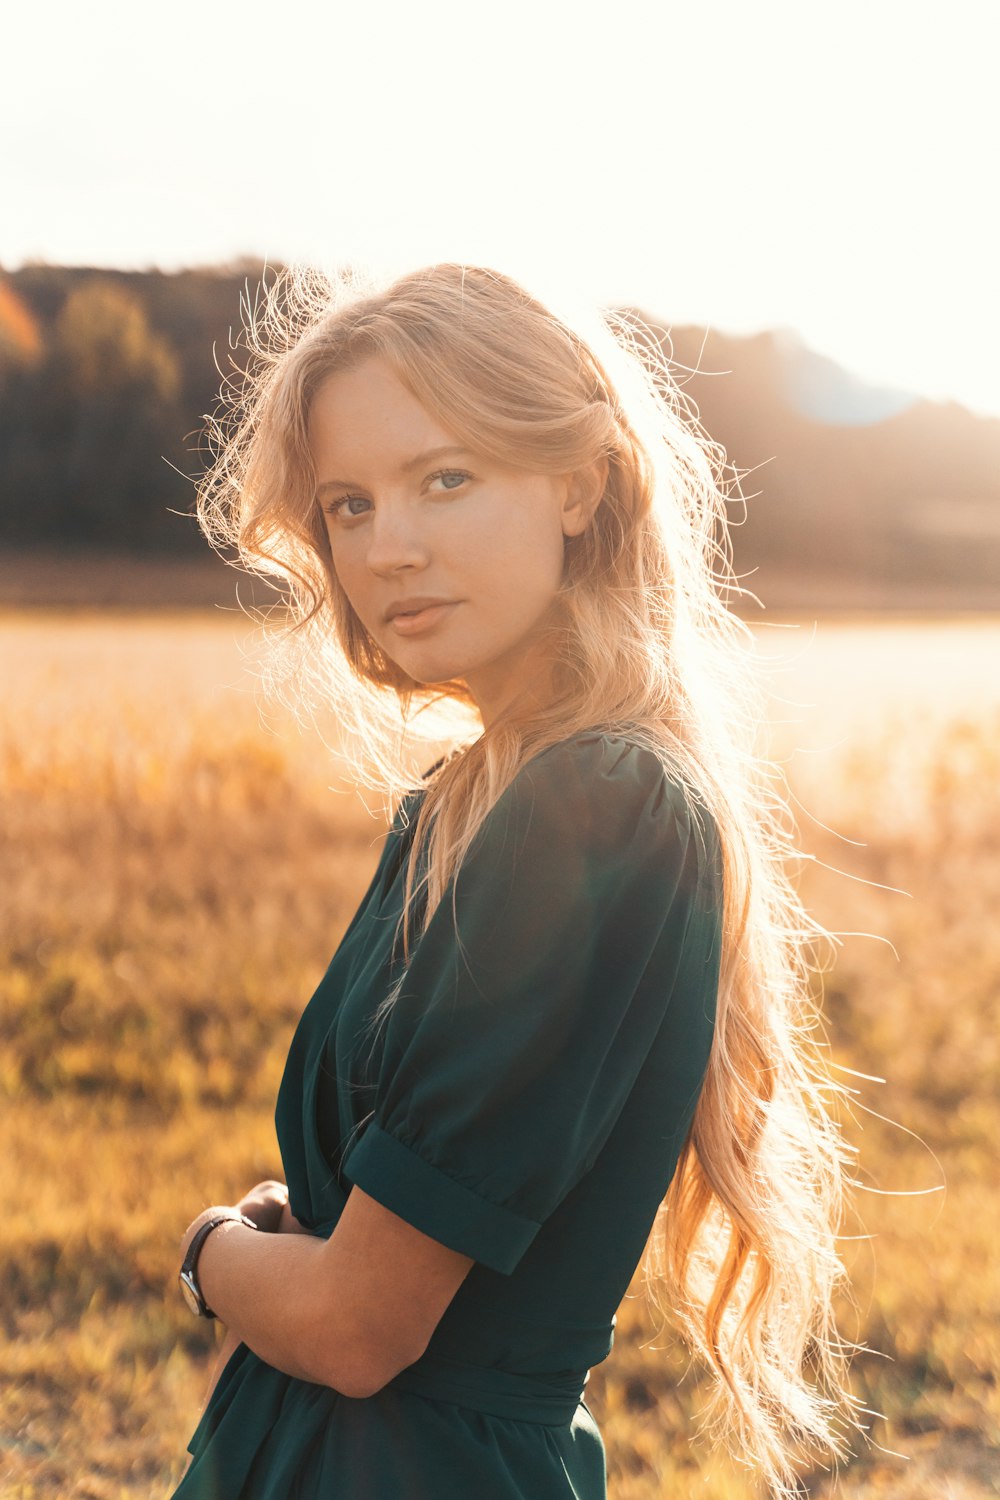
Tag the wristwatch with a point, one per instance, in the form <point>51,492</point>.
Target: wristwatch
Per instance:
<point>188,1274</point>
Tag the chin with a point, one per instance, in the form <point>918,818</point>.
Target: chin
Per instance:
<point>434,675</point>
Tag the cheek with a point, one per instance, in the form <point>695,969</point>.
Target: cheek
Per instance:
<point>345,558</point>
<point>350,576</point>
<point>530,568</point>
<point>520,547</point>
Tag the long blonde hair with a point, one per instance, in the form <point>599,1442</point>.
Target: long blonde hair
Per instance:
<point>744,1250</point>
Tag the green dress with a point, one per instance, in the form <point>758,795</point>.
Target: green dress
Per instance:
<point>524,1103</point>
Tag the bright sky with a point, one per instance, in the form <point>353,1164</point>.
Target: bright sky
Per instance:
<point>827,168</point>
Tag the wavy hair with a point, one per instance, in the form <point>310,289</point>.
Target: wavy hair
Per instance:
<point>743,1256</point>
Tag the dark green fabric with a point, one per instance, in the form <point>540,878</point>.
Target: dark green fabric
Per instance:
<point>524,1103</point>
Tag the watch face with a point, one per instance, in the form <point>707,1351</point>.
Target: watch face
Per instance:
<point>191,1296</point>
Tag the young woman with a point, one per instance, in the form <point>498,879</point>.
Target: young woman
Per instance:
<point>571,1015</point>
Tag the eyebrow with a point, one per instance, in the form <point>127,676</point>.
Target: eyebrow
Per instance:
<point>431,456</point>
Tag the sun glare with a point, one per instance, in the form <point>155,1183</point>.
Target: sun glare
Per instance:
<point>739,167</point>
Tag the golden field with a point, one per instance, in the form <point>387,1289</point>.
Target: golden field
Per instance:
<point>175,879</point>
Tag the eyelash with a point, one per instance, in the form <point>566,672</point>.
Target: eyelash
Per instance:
<point>442,473</point>
<point>334,506</point>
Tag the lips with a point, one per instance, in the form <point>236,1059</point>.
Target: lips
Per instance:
<point>413,606</point>
<point>423,619</point>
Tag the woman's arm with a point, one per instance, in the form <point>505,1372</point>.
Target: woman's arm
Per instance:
<point>287,1224</point>
<point>258,1205</point>
<point>348,1312</point>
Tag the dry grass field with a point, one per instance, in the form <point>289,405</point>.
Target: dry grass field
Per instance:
<point>174,881</point>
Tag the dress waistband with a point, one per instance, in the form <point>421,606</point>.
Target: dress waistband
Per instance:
<point>551,1400</point>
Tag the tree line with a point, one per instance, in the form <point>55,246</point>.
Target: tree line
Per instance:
<point>106,378</point>
<point>105,381</point>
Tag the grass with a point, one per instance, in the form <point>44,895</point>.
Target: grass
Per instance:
<point>176,882</point>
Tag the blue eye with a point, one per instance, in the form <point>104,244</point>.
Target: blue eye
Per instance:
<point>451,479</point>
<point>341,507</point>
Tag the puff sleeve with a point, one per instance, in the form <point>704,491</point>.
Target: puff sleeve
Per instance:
<point>516,1040</point>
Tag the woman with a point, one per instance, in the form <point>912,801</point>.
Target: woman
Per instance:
<point>576,989</point>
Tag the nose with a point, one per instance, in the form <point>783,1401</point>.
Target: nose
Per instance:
<point>395,543</point>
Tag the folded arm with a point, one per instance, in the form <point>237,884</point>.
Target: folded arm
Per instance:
<point>347,1312</point>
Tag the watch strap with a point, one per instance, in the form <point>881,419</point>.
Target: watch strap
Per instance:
<point>189,1268</point>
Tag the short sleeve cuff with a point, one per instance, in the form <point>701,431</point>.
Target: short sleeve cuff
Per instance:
<point>425,1197</point>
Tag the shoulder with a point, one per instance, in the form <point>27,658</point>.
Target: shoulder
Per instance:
<point>602,793</point>
<point>606,772</point>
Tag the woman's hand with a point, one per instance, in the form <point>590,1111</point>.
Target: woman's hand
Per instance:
<point>290,1224</point>
<point>265,1204</point>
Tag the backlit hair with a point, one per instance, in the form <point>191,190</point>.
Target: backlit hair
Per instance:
<point>743,1256</point>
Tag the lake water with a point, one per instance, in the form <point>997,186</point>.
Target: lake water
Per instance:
<point>840,677</point>
<point>832,681</point>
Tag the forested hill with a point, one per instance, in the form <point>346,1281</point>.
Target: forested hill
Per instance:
<point>843,475</point>
<point>105,377</point>
<point>105,380</point>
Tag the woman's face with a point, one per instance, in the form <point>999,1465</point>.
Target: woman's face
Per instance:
<point>449,559</point>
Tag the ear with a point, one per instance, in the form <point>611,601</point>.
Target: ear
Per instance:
<point>584,493</point>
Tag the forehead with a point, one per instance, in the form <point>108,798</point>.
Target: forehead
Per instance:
<point>365,420</point>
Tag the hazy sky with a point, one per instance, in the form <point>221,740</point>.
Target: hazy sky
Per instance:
<point>825,168</point>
